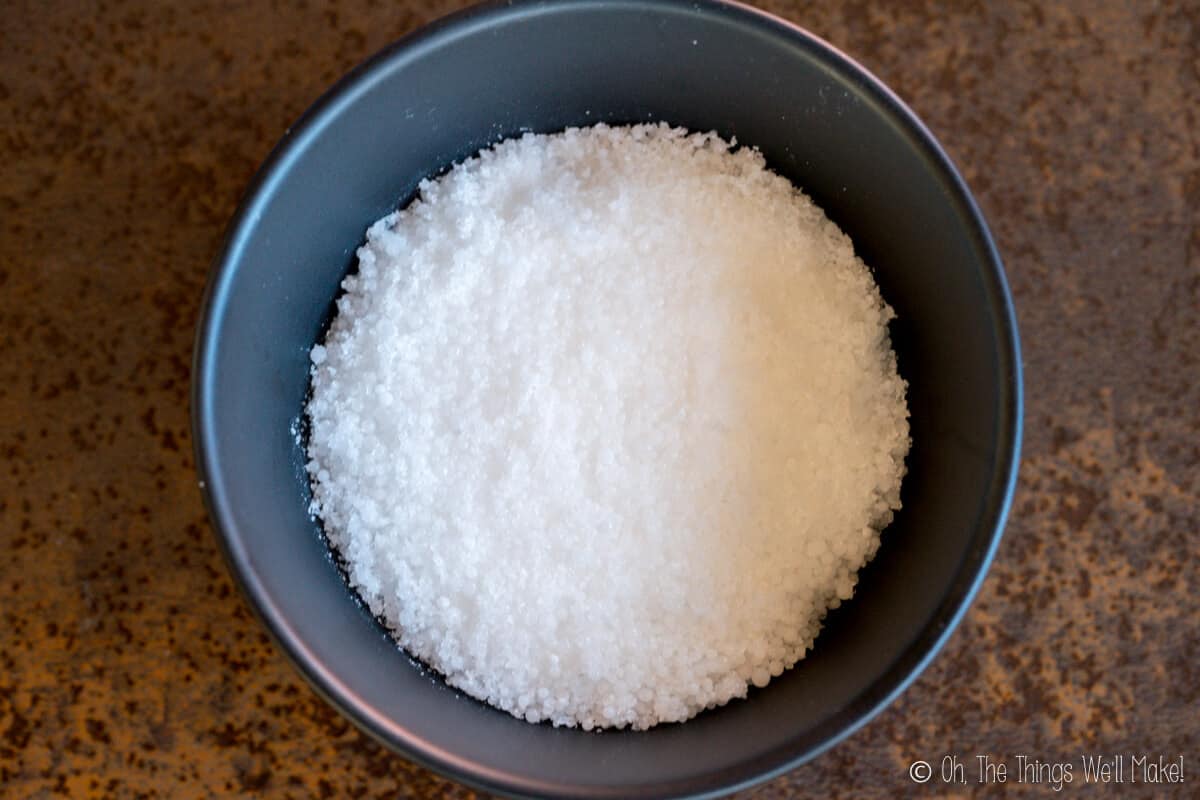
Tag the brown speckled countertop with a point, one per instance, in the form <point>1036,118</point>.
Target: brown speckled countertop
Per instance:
<point>129,665</point>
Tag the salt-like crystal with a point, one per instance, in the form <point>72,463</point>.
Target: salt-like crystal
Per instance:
<point>605,423</point>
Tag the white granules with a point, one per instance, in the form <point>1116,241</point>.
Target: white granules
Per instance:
<point>604,424</point>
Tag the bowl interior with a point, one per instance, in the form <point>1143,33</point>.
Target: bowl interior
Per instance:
<point>462,85</point>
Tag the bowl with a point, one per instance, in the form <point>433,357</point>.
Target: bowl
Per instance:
<point>497,70</point>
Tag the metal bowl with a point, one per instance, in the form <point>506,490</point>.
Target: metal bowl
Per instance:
<point>495,71</point>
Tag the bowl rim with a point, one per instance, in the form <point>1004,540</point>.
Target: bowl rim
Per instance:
<point>885,689</point>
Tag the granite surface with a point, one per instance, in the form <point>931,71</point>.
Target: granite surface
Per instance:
<point>130,666</point>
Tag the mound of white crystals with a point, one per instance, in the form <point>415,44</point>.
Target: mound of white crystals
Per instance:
<point>606,421</point>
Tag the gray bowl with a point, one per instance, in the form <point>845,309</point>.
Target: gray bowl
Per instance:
<point>470,80</point>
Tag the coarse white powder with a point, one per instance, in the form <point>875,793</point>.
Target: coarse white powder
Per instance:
<point>606,421</point>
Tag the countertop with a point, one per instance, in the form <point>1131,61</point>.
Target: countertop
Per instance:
<point>131,667</point>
